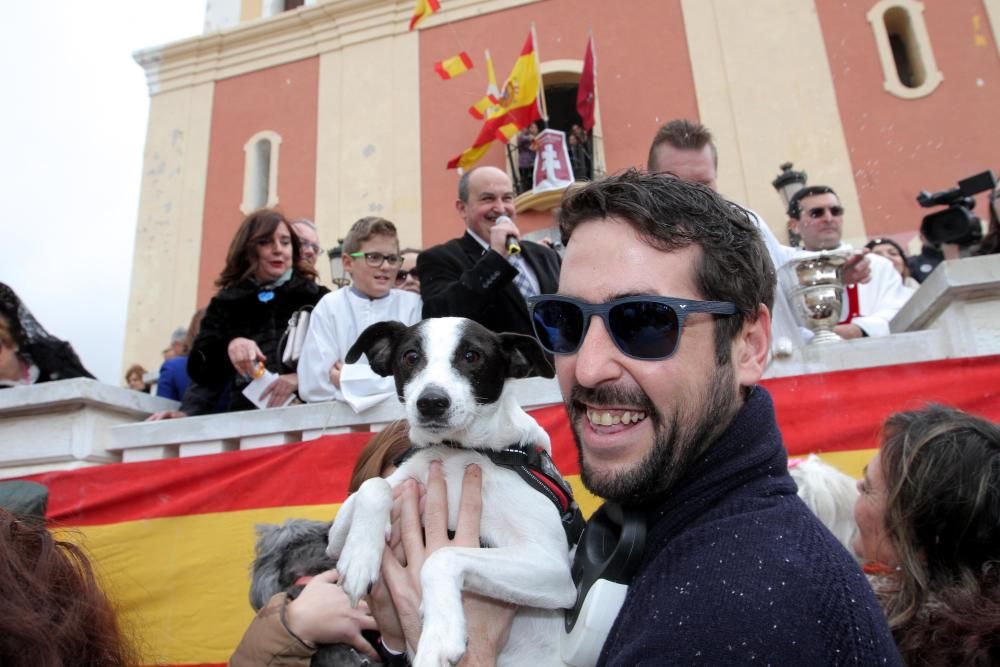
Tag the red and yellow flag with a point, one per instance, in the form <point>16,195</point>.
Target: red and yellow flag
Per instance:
<point>449,68</point>
<point>485,107</point>
<point>517,107</point>
<point>422,10</point>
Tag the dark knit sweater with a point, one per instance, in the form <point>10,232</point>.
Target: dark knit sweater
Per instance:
<point>738,571</point>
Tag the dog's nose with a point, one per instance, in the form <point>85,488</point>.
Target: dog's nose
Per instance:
<point>433,402</point>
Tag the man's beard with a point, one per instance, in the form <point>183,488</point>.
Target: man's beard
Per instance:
<point>677,443</point>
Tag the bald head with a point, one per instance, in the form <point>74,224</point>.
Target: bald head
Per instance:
<point>484,194</point>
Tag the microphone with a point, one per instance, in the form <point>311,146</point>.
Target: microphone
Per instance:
<point>513,246</point>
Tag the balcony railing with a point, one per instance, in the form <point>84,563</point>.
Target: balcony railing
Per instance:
<point>74,423</point>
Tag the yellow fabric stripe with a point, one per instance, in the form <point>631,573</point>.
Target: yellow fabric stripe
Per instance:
<point>182,583</point>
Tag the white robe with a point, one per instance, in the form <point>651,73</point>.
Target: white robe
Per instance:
<point>785,329</point>
<point>336,322</point>
<point>878,300</point>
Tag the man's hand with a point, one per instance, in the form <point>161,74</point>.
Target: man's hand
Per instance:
<point>244,355</point>
<point>166,414</point>
<point>848,331</point>
<point>278,391</point>
<point>488,621</point>
<point>858,268</point>
<point>499,233</point>
<point>335,373</point>
<point>322,614</point>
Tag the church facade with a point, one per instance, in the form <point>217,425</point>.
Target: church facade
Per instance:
<point>331,110</point>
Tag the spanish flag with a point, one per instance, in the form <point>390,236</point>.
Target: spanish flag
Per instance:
<point>449,68</point>
<point>422,10</point>
<point>485,107</point>
<point>517,107</point>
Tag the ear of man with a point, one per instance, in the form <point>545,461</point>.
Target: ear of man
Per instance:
<point>751,347</point>
<point>377,342</point>
<point>524,355</point>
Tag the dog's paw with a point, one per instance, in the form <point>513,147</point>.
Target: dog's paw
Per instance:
<point>359,568</point>
<point>441,644</point>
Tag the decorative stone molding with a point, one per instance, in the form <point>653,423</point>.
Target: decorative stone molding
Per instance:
<point>919,48</point>
<point>294,35</point>
<point>254,159</point>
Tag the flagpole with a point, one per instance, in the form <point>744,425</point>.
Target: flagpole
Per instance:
<point>541,83</point>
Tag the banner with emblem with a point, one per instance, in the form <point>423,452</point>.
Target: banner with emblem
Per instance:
<point>553,170</point>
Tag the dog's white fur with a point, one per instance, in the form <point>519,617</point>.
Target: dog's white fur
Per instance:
<point>829,493</point>
<point>529,564</point>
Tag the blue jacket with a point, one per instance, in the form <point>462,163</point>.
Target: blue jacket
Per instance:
<point>174,379</point>
<point>738,571</point>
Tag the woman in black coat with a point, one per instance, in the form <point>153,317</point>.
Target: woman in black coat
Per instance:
<point>264,281</point>
<point>28,353</point>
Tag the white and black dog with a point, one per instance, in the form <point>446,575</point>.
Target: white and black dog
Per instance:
<point>451,377</point>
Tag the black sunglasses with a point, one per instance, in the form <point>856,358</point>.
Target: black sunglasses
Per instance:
<point>647,328</point>
<point>816,212</point>
<point>401,276</point>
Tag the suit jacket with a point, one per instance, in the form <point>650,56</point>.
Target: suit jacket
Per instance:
<point>462,279</point>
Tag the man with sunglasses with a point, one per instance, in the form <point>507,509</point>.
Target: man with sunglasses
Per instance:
<point>818,217</point>
<point>477,276</point>
<point>685,149</point>
<point>658,361</point>
<point>371,257</point>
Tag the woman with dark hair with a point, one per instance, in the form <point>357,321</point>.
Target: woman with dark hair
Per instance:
<point>28,353</point>
<point>894,252</point>
<point>928,519</point>
<point>264,281</point>
<point>52,612</point>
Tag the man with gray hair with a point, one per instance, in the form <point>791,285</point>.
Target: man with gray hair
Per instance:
<point>308,239</point>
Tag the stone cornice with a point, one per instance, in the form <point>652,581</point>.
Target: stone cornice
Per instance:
<point>293,35</point>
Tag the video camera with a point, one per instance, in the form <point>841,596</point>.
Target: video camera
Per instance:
<point>955,224</point>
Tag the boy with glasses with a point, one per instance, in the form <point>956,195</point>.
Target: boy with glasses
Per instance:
<point>371,257</point>
<point>818,217</point>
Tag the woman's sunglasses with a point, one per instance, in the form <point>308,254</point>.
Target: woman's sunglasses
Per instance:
<point>647,328</point>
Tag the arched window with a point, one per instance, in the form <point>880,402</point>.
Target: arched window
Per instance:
<point>560,80</point>
<point>260,171</point>
<point>904,48</point>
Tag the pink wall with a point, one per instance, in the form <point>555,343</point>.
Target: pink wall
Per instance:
<point>899,147</point>
<point>643,77</point>
<point>282,99</point>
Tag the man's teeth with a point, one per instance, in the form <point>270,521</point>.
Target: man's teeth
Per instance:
<point>605,418</point>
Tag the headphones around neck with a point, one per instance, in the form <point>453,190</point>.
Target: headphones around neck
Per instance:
<point>607,558</point>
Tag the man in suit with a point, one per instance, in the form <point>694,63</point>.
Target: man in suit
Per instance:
<point>475,276</point>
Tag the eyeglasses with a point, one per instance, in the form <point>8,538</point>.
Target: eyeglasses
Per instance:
<point>401,276</point>
<point>306,245</point>
<point>816,212</point>
<point>375,259</point>
<point>647,328</point>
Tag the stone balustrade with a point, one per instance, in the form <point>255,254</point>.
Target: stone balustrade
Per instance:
<point>74,423</point>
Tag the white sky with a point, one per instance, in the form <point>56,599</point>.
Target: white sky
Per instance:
<point>73,110</point>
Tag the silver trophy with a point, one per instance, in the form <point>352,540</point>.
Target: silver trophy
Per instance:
<point>815,288</point>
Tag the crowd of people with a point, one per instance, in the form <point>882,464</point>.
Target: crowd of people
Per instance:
<point>666,409</point>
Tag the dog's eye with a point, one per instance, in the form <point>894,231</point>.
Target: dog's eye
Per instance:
<point>471,356</point>
<point>411,357</point>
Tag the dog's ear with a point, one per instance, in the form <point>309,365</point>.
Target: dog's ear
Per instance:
<point>377,342</point>
<point>525,356</point>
